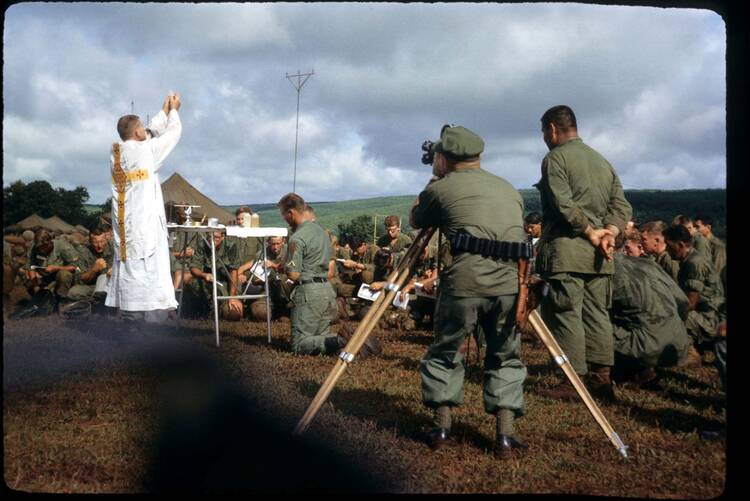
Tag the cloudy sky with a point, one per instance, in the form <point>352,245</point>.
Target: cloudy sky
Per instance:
<point>647,85</point>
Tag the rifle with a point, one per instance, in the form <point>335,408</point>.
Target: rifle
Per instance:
<point>526,312</point>
<point>396,280</point>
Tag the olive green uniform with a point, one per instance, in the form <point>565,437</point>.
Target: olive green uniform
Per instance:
<point>719,260</point>
<point>226,261</point>
<point>697,275</point>
<point>278,287</point>
<point>669,265</point>
<point>313,300</point>
<point>181,241</point>
<point>87,258</point>
<point>474,290</point>
<point>647,313</point>
<point>247,250</point>
<point>348,281</point>
<point>578,188</point>
<point>63,254</point>
<point>402,242</point>
<point>701,244</point>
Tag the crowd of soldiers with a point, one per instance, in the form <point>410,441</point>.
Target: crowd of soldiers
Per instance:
<point>622,298</point>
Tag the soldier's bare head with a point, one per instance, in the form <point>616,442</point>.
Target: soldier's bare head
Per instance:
<point>98,239</point>
<point>678,240</point>
<point>292,209</point>
<point>559,125</point>
<point>704,225</point>
<point>43,241</point>
<point>130,127</point>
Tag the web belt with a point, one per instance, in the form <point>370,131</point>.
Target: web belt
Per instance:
<point>495,249</point>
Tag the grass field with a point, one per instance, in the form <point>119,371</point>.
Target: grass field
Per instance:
<point>648,205</point>
<point>90,408</point>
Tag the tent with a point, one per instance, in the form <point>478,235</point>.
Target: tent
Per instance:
<point>176,189</point>
<point>33,221</point>
<point>55,223</point>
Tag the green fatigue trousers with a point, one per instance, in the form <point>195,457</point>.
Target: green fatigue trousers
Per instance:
<point>651,349</point>
<point>314,308</point>
<point>442,367</point>
<point>576,312</point>
<point>702,325</point>
<point>63,283</point>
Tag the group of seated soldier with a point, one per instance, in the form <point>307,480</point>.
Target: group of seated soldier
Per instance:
<point>236,258</point>
<point>47,273</point>
<point>668,302</point>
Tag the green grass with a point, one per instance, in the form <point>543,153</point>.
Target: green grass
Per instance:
<point>93,429</point>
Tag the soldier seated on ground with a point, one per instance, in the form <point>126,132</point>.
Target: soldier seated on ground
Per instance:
<point>95,265</point>
<point>700,243</point>
<point>226,279</point>
<point>633,243</point>
<point>700,283</point>
<point>279,287</point>
<point>704,226</point>
<point>647,314</point>
<point>52,265</point>
<point>181,249</point>
<point>361,266</point>
<point>393,238</point>
<point>654,247</point>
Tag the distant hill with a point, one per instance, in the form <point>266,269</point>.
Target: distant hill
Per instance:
<point>648,205</point>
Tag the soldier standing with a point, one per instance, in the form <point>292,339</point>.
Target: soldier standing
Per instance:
<point>584,209</point>
<point>469,204</point>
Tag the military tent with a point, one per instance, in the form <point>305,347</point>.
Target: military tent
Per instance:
<point>55,223</point>
<point>176,189</point>
<point>33,221</point>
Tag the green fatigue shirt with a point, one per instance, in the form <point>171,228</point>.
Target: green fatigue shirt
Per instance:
<point>247,248</point>
<point>402,242</point>
<point>578,188</point>
<point>702,245</point>
<point>645,300</point>
<point>718,256</point>
<point>474,201</point>
<point>309,251</point>
<point>178,243</point>
<point>87,258</point>
<point>226,254</point>
<point>63,254</point>
<point>667,264</point>
<point>368,258</point>
<point>697,275</point>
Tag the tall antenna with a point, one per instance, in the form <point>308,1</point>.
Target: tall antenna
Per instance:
<point>298,87</point>
<point>132,108</point>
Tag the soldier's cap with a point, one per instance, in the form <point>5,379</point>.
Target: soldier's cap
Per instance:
<point>459,144</point>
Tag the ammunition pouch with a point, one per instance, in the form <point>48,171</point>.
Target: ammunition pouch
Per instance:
<point>495,249</point>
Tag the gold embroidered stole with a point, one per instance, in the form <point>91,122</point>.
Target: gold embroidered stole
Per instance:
<point>120,180</point>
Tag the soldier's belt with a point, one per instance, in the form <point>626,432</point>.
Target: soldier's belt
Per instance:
<point>495,249</point>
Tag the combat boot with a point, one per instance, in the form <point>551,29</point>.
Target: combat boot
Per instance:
<point>506,444</point>
<point>440,435</point>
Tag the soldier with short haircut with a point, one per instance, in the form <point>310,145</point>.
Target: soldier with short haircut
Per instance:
<point>95,264</point>
<point>647,313</point>
<point>700,244</point>
<point>313,300</point>
<point>699,282</point>
<point>362,262</point>
<point>278,287</point>
<point>584,210</point>
<point>704,225</point>
<point>469,203</point>
<point>633,243</point>
<point>56,262</point>
<point>652,241</point>
<point>226,271</point>
<point>393,238</point>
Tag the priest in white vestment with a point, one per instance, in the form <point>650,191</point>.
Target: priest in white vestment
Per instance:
<point>141,280</point>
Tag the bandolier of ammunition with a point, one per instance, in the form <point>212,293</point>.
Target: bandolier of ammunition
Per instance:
<point>120,179</point>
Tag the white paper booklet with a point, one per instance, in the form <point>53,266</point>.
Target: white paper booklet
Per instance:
<point>366,293</point>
